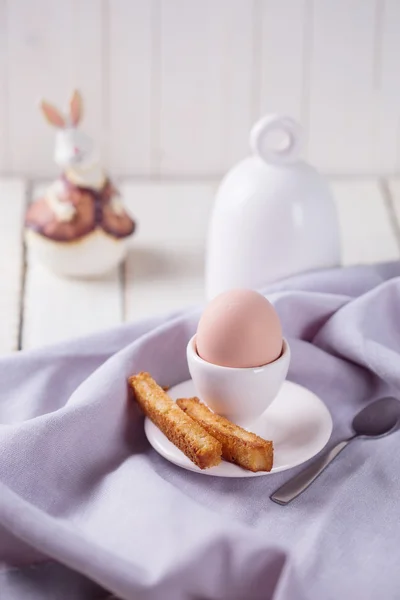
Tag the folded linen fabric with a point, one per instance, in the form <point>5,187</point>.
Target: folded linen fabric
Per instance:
<point>87,508</point>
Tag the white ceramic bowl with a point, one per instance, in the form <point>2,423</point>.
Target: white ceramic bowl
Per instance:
<point>240,395</point>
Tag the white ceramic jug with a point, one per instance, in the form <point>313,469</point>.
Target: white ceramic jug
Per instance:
<point>273,216</point>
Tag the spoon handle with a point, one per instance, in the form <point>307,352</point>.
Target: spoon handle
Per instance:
<point>300,482</point>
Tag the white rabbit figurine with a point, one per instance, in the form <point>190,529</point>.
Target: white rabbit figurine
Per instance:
<point>79,227</point>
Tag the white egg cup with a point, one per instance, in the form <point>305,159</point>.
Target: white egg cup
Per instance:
<point>240,395</point>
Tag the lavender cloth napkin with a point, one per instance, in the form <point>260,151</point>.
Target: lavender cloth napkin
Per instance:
<point>87,506</point>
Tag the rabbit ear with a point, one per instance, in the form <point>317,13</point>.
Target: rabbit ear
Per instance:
<point>76,107</point>
<point>52,114</point>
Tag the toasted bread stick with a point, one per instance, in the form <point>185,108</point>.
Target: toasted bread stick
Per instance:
<point>202,449</point>
<point>238,445</point>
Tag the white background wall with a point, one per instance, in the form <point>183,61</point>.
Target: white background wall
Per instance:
<point>172,86</point>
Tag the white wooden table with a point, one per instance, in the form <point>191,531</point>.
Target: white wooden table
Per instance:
<point>164,268</point>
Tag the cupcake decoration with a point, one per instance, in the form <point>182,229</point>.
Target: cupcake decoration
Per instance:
<point>79,227</point>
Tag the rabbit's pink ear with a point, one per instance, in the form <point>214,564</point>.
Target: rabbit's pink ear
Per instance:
<point>52,114</point>
<point>76,108</point>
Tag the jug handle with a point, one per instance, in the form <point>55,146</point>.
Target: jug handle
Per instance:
<point>273,123</point>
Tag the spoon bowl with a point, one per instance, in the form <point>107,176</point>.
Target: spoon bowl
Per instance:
<point>378,418</point>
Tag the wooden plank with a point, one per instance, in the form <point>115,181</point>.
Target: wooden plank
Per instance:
<point>57,309</point>
<point>394,189</point>
<point>281,75</point>
<point>366,228</point>
<point>164,271</point>
<point>206,85</point>
<point>341,86</point>
<point>88,67</point>
<point>132,26</point>
<point>4,156</point>
<point>12,209</point>
<point>393,193</point>
<point>386,152</point>
<point>52,47</point>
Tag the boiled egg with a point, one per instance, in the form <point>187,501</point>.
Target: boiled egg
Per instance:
<point>239,328</point>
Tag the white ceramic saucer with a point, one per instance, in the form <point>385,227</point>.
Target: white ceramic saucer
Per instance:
<point>298,423</point>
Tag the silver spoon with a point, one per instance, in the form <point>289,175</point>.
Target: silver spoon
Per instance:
<point>375,420</point>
